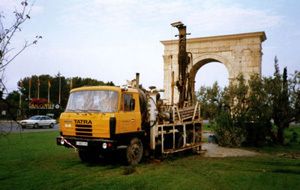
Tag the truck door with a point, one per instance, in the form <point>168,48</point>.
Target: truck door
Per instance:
<point>129,116</point>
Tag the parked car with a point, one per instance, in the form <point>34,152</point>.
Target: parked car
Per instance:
<point>38,121</point>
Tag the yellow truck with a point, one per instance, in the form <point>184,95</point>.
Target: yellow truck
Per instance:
<point>102,119</point>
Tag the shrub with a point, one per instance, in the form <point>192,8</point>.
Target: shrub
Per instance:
<point>228,132</point>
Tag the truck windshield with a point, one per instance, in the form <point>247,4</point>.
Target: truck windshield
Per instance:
<point>93,101</point>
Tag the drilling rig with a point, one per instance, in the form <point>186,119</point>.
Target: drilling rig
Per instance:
<point>183,61</point>
<point>101,120</point>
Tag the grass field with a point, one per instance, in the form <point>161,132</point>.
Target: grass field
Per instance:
<point>33,161</point>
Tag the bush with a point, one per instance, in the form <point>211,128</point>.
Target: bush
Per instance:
<point>228,132</point>
<point>257,133</point>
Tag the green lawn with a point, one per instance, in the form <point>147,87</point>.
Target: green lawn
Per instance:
<point>207,127</point>
<point>33,161</point>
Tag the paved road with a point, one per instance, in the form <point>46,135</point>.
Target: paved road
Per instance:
<point>11,126</point>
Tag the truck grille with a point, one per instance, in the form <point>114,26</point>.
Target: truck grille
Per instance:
<point>84,130</point>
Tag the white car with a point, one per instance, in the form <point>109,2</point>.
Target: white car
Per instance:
<point>38,121</point>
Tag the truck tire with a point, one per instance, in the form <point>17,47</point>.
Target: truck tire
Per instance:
<point>89,156</point>
<point>134,151</point>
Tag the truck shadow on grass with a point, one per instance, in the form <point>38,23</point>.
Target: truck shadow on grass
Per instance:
<point>111,162</point>
<point>286,171</point>
<point>118,161</point>
<point>107,161</point>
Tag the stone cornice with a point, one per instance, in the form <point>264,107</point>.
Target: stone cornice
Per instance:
<point>260,35</point>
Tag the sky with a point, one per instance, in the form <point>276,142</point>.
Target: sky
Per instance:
<point>111,40</point>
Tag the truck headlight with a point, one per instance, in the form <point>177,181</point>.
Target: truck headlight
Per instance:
<point>68,125</point>
<point>104,145</point>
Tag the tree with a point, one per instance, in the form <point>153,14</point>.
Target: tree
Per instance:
<point>245,109</point>
<point>281,106</point>
<point>248,109</point>
<point>235,98</point>
<point>258,100</point>
<point>294,88</point>
<point>8,51</point>
<point>210,99</point>
<point>231,120</point>
<point>284,100</point>
<point>259,113</point>
<point>12,100</point>
<point>47,82</point>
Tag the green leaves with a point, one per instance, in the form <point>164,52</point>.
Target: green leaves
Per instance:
<point>244,110</point>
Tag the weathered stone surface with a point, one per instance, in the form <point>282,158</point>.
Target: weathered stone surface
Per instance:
<point>240,53</point>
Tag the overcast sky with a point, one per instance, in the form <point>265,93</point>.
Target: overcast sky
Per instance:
<point>112,40</point>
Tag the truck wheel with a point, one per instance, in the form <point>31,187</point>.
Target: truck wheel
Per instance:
<point>134,151</point>
<point>88,156</point>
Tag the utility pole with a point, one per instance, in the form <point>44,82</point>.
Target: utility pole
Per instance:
<point>49,86</point>
<point>20,104</point>
<point>71,84</point>
<point>29,87</point>
<point>59,88</point>
<point>38,87</point>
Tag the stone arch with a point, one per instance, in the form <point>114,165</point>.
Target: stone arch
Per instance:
<point>240,53</point>
<point>203,60</point>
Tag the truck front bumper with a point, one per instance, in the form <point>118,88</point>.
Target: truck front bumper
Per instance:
<point>83,143</point>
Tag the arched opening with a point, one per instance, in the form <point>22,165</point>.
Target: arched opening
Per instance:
<point>208,70</point>
<point>210,73</point>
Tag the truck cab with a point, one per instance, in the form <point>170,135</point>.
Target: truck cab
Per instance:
<point>100,119</point>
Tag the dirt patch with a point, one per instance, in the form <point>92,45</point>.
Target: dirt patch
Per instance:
<point>213,150</point>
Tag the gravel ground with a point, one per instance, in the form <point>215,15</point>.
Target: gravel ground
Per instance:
<point>213,150</point>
